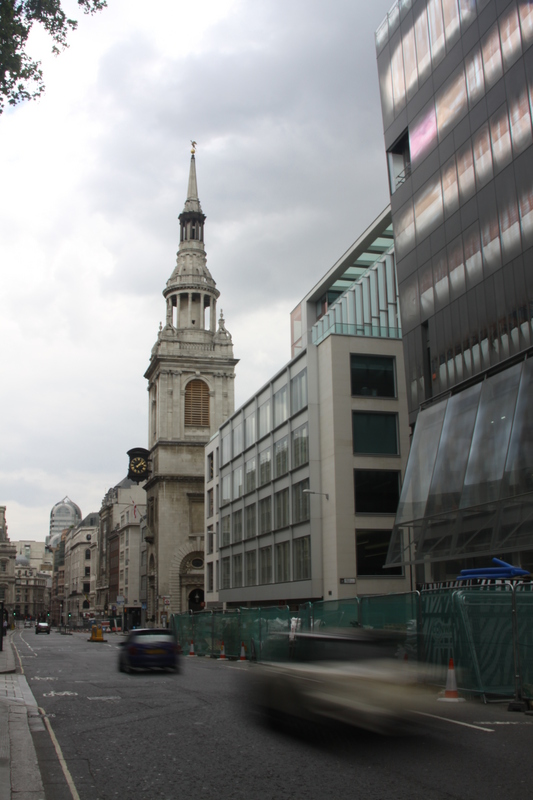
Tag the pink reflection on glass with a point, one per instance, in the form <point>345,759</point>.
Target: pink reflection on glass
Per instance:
<point>423,136</point>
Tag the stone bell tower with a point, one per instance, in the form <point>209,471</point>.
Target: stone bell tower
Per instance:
<point>191,392</point>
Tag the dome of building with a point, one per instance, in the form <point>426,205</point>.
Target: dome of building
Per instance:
<point>22,561</point>
<point>63,515</point>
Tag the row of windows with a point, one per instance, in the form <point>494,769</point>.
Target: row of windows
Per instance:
<point>271,513</point>
<point>269,415</point>
<point>272,564</point>
<point>260,469</point>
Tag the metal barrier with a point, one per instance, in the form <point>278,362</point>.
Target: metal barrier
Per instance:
<point>488,630</point>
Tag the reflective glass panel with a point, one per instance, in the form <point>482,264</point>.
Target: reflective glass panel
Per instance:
<point>465,172</point>
<point>264,418</point>
<point>451,103</point>
<point>519,466</point>
<point>423,135</point>
<point>281,408</point>
<point>482,156</point>
<point>404,230</point>
<point>525,10</point>
<point>492,57</point>
<point>428,208</point>
<point>450,187</point>
<point>436,31</point>
<point>454,448</point>
<point>473,260</point>
<point>456,268</point>
<point>491,437</point>
<point>511,41</point>
<point>398,79</point>
<point>475,80</point>
<point>520,117</point>
<point>409,62</point>
<point>376,491</point>
<point>420,464</point>
<point>422,45</point>
<point>500,135</point>
<point>450,12</point>
<point>425,281</point>
<point>372,376</point>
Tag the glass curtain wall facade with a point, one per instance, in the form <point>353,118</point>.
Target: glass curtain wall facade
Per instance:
<point>456,83</point>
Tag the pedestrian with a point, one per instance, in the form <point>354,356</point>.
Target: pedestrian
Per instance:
<point>5,626</point>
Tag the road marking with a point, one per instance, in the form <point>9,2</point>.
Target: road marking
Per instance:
<point>455,721</point>
<point>37,678</point>
<point>66,773</point>
<point>61,694</point>
<point>104,698</point>
<point>514,722</point>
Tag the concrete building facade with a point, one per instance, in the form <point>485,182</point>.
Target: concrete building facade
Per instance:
<point>8,553</point>
<point>302,482</point>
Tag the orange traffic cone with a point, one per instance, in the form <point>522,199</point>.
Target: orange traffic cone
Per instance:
<point>222,651</point>
<point>243,653</point>
<point>191,649</point>
<point>451,695</point>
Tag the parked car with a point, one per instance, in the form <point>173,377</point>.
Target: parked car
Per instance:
<point>42,627</point>
<point>353,677</point>
<point>149,648</point>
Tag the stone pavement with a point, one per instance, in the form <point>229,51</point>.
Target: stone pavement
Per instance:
<point>20,778</point>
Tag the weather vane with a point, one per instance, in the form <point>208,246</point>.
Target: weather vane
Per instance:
<point>193,151</point>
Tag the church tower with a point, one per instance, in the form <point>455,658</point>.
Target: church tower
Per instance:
<point>191,392</point>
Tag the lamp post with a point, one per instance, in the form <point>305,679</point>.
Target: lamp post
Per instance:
<point>308,491</point>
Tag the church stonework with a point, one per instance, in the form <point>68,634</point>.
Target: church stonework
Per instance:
<point>191,393</point>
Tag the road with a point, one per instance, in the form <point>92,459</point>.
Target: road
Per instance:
<point>191,736</point>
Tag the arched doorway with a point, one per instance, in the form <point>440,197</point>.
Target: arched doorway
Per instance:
<point>196,600</point>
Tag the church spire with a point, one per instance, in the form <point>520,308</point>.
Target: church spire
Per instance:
<point>193,203</point>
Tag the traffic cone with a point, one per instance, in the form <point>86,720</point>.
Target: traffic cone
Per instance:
<point>451,695</point>
<point>191,649</point>
<point>243,653</point>
<point>222,651</point>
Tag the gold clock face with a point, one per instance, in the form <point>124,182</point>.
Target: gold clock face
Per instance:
<point>138,465</point>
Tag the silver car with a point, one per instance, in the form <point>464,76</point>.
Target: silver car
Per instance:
<point>356,677</point>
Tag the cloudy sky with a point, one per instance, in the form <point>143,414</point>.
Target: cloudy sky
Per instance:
<point>282,98</point>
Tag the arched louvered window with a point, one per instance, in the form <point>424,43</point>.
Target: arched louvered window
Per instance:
<point>197,404</point>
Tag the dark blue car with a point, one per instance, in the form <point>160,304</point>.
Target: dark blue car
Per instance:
<point>149,648</point>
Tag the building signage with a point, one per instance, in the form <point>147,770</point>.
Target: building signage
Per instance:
<point>347,580</point>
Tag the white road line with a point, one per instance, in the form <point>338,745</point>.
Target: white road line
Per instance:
<point>66,773</point>
<point>455,722</point>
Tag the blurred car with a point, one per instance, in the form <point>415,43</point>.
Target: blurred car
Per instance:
<point>353,677</point>
<point>149,648</point>
<point>42,627</point>
<point>27,623</point>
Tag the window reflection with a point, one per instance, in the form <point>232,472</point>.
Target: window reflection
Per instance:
<point>409,62</point>
<point>510,228</point>
<point>422,45</point>
<point>482,156</point>
<point>519,466</point>
<point>520,122</point>
<point>525,202</point>
<point>490,237</point>
<point>440,280</point>
<point>510,38</point>
<point>398,80</point>
<point>465,172</point>
<point>501,138</point>
<point>474,77</point>
<point>428,208</point>
<point>404,230</point>
<point>492,58</point>
<point>425,279</point>
<point>525,11</point>
<point>467,9</point>
<point>436,30</point>
<point>472,245</point>
<point>423,134</point>
<point>450,188</point>
<point>451,103</point>
<point>456,268</point>
<point>491,437</point>
<point>450,13</point>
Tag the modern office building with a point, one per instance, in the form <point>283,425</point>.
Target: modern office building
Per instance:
<point>303,481</point>
<point>456,80</point>
<point>63,515</point>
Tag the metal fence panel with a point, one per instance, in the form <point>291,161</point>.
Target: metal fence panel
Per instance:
<point>328,614</point>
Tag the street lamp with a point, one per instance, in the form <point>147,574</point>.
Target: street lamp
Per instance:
<point>308,491</point>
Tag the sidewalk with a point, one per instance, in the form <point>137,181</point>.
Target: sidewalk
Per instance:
<point>20,777</point>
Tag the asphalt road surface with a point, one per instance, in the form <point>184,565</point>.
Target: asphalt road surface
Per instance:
<point>191,735</point>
